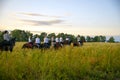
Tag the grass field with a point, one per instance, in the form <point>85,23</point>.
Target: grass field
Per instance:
<point>92,61</point>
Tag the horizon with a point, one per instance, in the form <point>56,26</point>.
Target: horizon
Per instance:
<point>116,37</point>
<point>88,17</point>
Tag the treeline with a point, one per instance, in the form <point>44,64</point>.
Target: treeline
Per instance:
<point>22,35</point>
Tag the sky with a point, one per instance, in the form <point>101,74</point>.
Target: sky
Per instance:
<point>84,17</point>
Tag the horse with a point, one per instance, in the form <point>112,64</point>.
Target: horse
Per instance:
<point>46,45</point>
<point>7,45</point>
<point>58,45</point>
<point>76,44</point>
<point>28,45</point>
<point>81,43</point>
<point>66,42</point>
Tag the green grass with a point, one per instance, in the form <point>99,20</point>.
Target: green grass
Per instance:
<point>93,61</point>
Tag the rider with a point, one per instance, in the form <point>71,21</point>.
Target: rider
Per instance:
<point>53,41</point>
<point>29,39</point>
<point>61,41</point>
<point>67,40</point>
<point>6,37</point>
<point>46,42</point>
<point>78,39</point>
<point>37,41</point>
<point>57,40</point>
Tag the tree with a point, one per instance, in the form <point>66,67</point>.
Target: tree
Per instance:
<point>96,39</point>
<point>28,34</point>
<point>62,35</point>
<point>16,33</point>
<point>82,38</point>
<point>111,39</point>
<point>102,38</point>
<point>1,36</point>
<point>51,34</point>
<point>72,37</point>
<point>88,39</point>
<point>42,35</point>
<point>21,35</point>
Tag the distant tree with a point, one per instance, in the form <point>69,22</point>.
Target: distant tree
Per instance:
<point>24,36</point>
<point>1,36</point>
<point>21,35</point>
<point>72,37</point>
<point>88,39</point>
<point>92,39</point>
<point>96,39</point>
<point>82,38</point>
<point>51,34</point>
<point>111,39</point>
<point>16,33</point>
<point>62,35</point>
<point>42,35</point>
<point>102,38</point>
<point>29,34</point>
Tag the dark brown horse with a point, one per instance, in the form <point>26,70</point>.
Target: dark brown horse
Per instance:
<point>32,45</point>
<point>28,45</point>
<point>76,44</point>
<point>66,42</point>
<point>58,45</point>
<point>7,45</point>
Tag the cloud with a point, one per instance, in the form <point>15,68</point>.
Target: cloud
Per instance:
<point>38,23</point>
<point>35,14</point>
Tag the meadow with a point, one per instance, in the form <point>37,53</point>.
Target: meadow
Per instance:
<point>92,61</point>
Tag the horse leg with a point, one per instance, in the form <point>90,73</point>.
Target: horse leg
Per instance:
<point>11,48</point>
<point>81,43</point>
<point>6,48</point>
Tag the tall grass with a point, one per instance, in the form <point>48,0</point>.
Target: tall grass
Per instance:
<point>93,61</point>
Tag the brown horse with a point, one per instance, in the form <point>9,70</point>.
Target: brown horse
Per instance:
<point>80,43</point>
<point>28,45</point>
<point>66,42</point>
<point>58,45</point>
<point>76,44</point>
